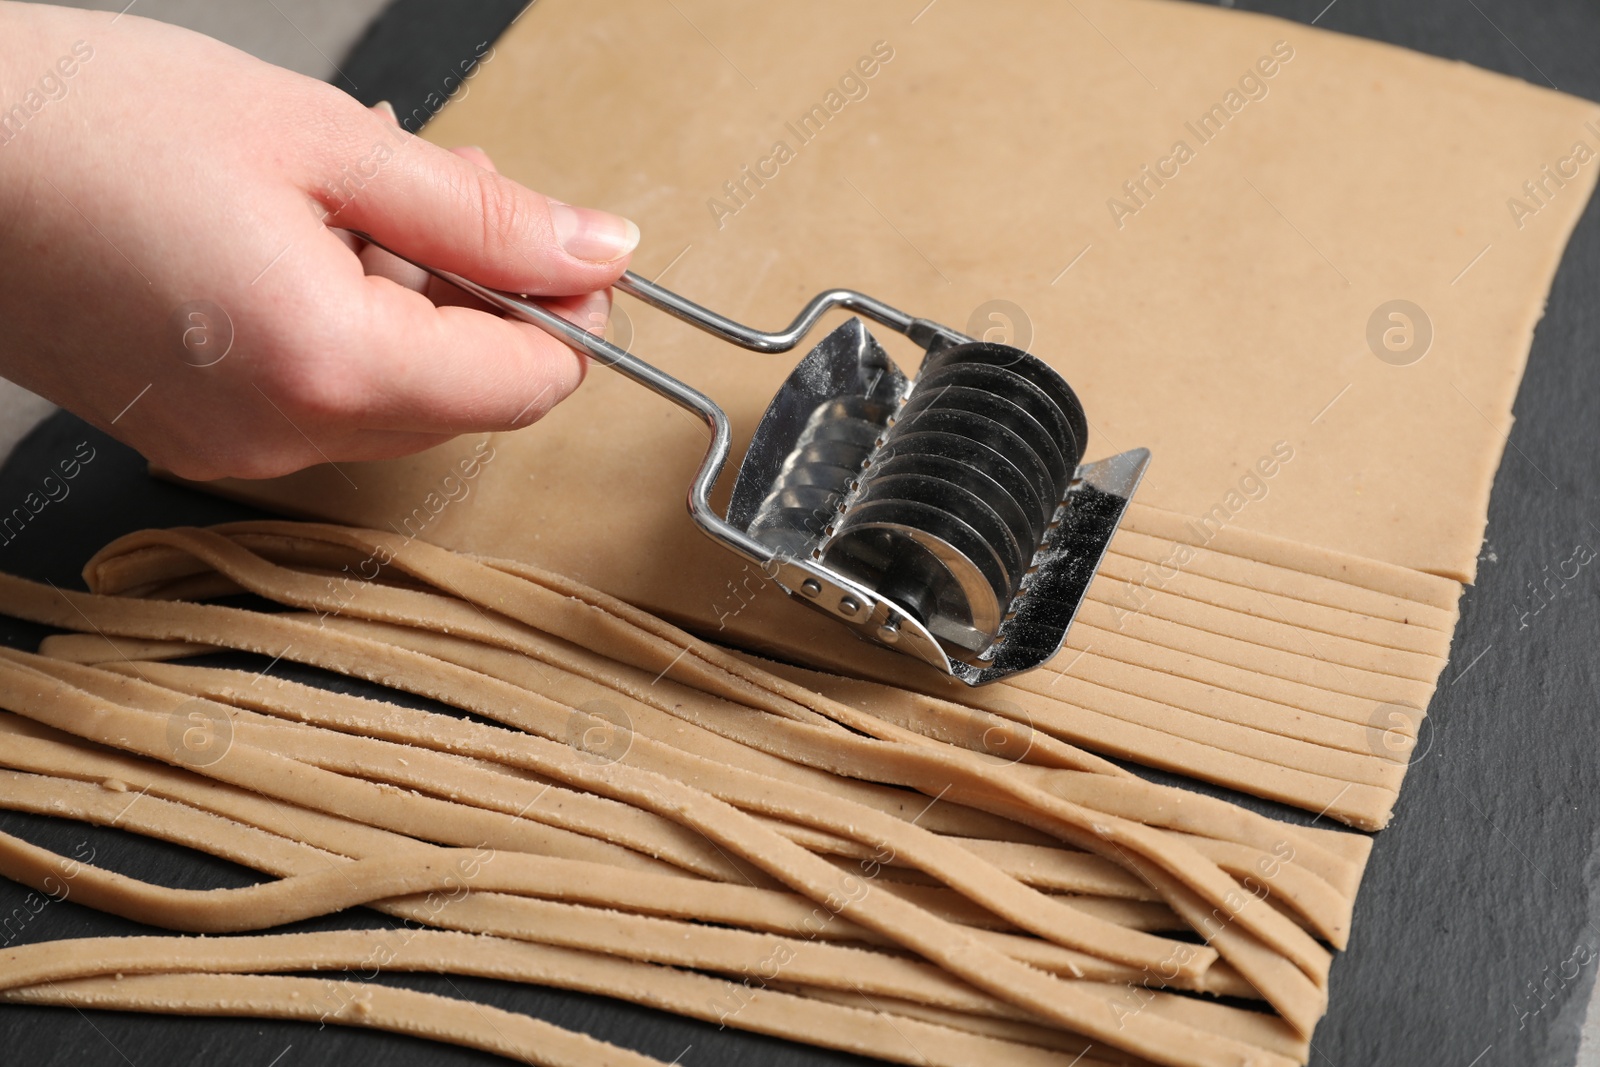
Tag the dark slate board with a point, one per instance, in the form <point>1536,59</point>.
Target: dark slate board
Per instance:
<point>1475,939</point>
<point>414,53</point>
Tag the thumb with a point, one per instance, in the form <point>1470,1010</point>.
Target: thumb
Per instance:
<point>442,210</point>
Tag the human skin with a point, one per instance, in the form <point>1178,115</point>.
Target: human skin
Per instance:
<point>168,169</point>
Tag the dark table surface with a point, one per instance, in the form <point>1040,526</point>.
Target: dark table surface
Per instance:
<point>1475,938</point>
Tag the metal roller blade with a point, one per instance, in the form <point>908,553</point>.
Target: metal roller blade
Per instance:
<point>956,500</point>
<point>971,478</point>
<point>1000,409</point>
<point>1002,381</point>
<point>994,436</point>
<point>995,553</point>
<point>978,456</point>
<point>1020,363</point>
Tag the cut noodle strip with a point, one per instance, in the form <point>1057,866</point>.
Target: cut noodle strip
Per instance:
<point>1072,823</point>
<point>1147,1033</point>
<point>211,990</point>
<point>733,772</point>
<point>545,877</point>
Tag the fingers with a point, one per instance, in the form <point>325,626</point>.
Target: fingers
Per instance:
<point>476,156</point>
<point>381,262</point>
<point>425,357</point>
<point>456,370</point>
<point>378,263</point>
<point>439,208</point>
<point>385,264</point>
<point>438,290</point>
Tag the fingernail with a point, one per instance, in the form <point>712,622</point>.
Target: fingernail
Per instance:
<point>383,107</point>
<point>595,236</point>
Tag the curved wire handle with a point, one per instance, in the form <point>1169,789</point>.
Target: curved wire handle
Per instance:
<point>759,340</point>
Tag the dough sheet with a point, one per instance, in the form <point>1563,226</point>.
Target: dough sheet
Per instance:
<point>1274,574</point>
<point>1222,316</point>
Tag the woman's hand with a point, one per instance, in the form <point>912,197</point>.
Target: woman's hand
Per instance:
<point>173,266</point>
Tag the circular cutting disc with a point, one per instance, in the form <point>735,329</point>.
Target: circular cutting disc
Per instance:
<point>992,436</point>
<point>970,453</point>
<point>1007,383</point>
<point>968,478</point>
<point>921,485</point>
<point>959,575</point>
<point>1019,362</point>
<point>997,409</point>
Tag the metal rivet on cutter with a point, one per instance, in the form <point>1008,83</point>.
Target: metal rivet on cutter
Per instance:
<point>948,516</point>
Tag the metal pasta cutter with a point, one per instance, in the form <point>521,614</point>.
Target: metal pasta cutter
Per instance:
<point>947,516</point>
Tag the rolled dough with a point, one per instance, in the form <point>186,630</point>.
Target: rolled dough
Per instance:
<point>1202,218</point>
<point>985,154</point>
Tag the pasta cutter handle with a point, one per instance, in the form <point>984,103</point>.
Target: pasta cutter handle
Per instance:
<point>866,609</point>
